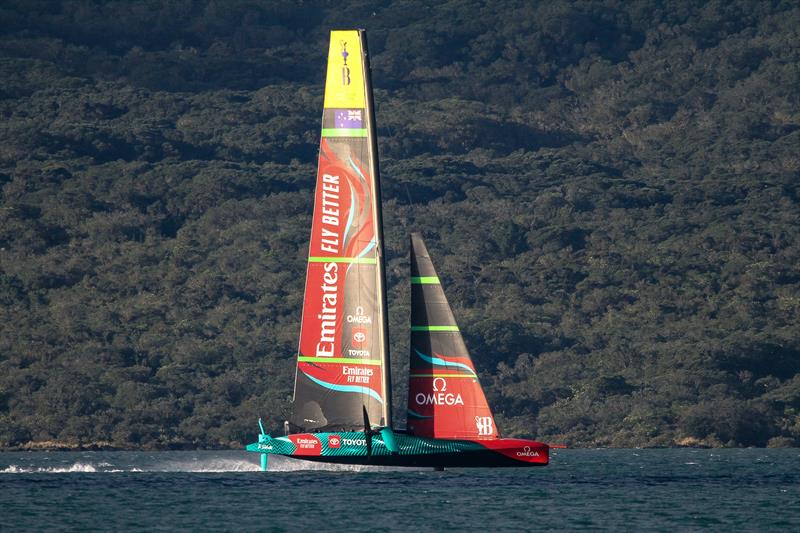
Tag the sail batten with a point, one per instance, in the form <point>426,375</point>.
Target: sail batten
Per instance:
<point>342,356</point>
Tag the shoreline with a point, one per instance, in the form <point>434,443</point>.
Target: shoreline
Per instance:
<point>104,446</point>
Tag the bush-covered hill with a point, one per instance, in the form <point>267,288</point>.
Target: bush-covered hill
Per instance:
<point>610,191</point>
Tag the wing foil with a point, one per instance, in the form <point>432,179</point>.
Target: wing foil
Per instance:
<point>341,363</point>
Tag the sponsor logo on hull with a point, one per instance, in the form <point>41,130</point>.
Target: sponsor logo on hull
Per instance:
<point>306,444</point>
<point>527,452</point>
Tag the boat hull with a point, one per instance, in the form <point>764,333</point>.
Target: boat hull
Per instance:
<point>411,451</point>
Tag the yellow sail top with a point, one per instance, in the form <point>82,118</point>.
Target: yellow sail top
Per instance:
<point>344,87</point>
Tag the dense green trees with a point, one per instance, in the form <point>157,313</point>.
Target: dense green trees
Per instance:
<point>609,190</point>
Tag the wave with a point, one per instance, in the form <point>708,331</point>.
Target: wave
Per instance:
<point>216,465</point>
<point>121,462</point>
<point>213,465</point>
<point>280,463</point>
<point>77,467</point>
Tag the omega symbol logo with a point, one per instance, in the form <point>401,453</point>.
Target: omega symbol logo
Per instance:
<point>439,396</point>
<point>527,452</point>
<point>484,425</point>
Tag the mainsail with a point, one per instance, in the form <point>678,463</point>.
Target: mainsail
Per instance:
<point>342,365</point>
<point>445,398</point>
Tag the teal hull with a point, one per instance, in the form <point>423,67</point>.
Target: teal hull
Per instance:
<point>351,448</point>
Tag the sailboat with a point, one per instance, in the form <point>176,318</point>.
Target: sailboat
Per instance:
<point>342,405</point>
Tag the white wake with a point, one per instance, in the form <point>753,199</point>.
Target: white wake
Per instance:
<point>281,463</point>
<point>205,465</point>
<point>208,465</point>
<point>183,462</point>
<point>77,467</point>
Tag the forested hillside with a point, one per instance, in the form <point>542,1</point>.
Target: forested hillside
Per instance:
<point>610,192</point>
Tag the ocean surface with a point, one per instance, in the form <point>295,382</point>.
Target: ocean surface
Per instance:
<point>609,490</point>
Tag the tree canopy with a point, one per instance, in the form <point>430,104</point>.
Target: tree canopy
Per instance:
<point>610,191</point>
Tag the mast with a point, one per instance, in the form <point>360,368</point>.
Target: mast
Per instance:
<point>378,214</point>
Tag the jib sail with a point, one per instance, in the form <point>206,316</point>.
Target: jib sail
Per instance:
<point>342,360</point>
<point>445,398</point>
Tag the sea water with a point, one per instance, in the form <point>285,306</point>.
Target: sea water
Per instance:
<point>610,490</point>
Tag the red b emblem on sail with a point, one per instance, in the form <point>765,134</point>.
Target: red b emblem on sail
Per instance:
<point>359,337</point>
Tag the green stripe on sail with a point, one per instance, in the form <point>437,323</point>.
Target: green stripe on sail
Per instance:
<point>434,328</point>
<point>346,360</point>
<point>424,280</point>
<point>359,260</point>
<point>344,132</point>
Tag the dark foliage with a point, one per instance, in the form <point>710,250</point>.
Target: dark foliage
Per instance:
<point>610,191</point>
